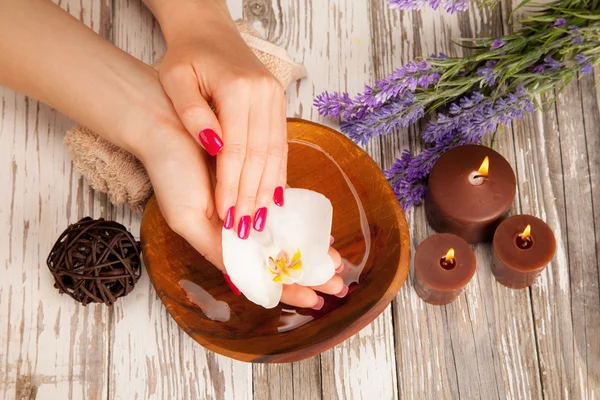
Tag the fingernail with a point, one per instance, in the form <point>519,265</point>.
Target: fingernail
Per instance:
<point>320,304</point>
<point>340,268</point>
<point>278,196</point>
<point>244,227</point>
<point>211,142</point>
<point>260,218</point>
<point>343,292</point>
<point>331,240</point>
<point>228,223</point>
<point>233,288</point>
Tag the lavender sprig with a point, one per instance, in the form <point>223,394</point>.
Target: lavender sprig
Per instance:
<point>468,121</point>
<point>466,99</point>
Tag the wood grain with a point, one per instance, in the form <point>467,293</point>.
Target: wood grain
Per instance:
<point>491,343</point>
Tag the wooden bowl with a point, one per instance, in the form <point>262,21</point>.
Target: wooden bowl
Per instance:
<point>371,235</point>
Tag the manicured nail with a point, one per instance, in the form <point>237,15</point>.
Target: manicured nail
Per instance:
<point>228,223</point>
<point>211,142</point>
<point>331,240</point>
<point>320,304</point>
<point>244,227</point>
<point>233,288</point>
<point>343,292</point>
<point>260,218</point>
<point>278,196</point>
<point>340,268</point>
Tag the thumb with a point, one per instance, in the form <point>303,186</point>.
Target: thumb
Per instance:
<point>181,85</point>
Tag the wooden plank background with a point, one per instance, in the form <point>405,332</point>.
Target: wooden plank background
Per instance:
<point>492,343</point>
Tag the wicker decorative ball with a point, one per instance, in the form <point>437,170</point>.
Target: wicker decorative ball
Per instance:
<point>95,261</point>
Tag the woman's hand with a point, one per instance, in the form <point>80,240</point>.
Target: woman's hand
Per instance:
<point>183,182</point>
<point>207,61</point>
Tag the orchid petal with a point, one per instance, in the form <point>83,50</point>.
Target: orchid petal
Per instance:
<point>304,223</point>
<point>245,263</point>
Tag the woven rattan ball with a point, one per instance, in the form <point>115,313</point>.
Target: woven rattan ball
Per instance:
<point>95,261</point>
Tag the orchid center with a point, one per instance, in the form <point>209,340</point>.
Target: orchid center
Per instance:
<point>286,270</point>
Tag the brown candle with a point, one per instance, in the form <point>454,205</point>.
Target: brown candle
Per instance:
<point>470,188</point>
<point>523,246</point>
<point>444,264</point>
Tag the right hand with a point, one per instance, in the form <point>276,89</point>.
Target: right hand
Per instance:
<point>208,61</point>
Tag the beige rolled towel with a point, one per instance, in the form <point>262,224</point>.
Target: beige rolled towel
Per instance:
<point>118,173</point>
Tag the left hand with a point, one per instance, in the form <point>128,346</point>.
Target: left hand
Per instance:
<point>182,180</point>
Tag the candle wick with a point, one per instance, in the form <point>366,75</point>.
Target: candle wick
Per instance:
<point>447,264</point>
<point>476,179</point>
<point>524,243</point>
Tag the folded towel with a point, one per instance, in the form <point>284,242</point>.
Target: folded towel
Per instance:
<point>118,173</point>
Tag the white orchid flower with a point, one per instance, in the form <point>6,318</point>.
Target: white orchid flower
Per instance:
<point>293,248</point>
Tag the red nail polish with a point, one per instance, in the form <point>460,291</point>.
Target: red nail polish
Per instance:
<point>260,218</point>
<point>228,223</point>
<point>340,268</point>
<point>233,288</point>
<point>244,227</point>
<point>320,304</point>
<point>211,142</point>
<point>278,196</point>
<point>343,292</point>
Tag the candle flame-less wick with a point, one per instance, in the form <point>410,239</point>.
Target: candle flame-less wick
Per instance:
<point>449,255</point>
<point>526,232</point>
<point>485,167</point>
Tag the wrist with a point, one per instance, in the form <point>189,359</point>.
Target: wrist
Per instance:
<point>188,16</point>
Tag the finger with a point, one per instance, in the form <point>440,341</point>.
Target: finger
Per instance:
<point>233,118</point>
<point>277,145</point>
<point>278,195</point>
<point>259,125</point>
<point>301,296</point>
<point>336,257</point>
<point>334,286</point>
<point>205,236</point>
<point>181,85</point>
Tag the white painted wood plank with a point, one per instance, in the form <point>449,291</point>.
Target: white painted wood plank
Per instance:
<point>51,346</point>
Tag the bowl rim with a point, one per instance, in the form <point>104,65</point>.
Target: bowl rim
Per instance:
<point>316,348</point>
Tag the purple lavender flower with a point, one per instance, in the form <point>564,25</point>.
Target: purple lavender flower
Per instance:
<point>538,69</point>
<point>383,120</point>
<point>497,44</point>
<point>559,23</point>
<point>488,74</point>
<point>407,77</point>
<point>551,63</point>
<point>383,108</point>
<point>586,69</point>
<point>475,116</point>
<point>580,59</point>
<point>335,105</point>
<point>407,5</point>
<point>575,32</point>
<point>450,6</point>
